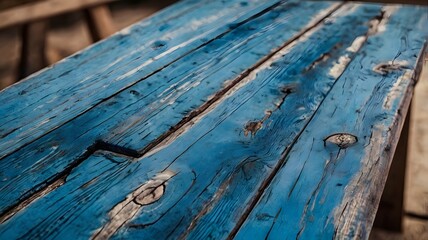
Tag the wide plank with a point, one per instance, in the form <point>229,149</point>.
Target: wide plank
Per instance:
<point>169,98</point>
<point>239,138</point>
<point>331,187</point>
<point>56,95</point>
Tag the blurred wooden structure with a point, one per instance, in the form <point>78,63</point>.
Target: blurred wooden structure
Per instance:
<point>32,15</point>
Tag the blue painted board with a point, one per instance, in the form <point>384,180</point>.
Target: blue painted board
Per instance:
<point>164,98</point>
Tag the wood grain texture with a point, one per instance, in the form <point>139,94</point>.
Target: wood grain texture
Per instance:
<point>200,201</point>
<point>58,94</point>
<point>324,191</point>
<point>123,118</point>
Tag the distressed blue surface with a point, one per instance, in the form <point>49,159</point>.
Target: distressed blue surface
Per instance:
<point>133,111</point>
<point>219,160</point>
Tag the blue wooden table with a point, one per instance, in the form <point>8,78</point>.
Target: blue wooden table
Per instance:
<point>214,119</point>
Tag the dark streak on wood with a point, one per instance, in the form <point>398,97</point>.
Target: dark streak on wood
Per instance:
<point>60,178</point>
<point>321,59</point>
<point>27,201</point>
<point>217,196</point>
<point>253,126</point>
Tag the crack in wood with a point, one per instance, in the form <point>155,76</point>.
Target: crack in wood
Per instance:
<point>59,179</point>
<point>253,126</point>
<point>218,194</point>
<point>36,195</point>
<point>329,168</point>
<point>148,193</point>
<point>324,57</point>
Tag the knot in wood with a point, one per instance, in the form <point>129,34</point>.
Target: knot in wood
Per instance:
<point>150,196</point>
<point>342,140</point>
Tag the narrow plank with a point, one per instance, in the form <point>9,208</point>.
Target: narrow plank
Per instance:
<point>100,22</point>
<point>281,94</point>
<point>324,191</point>
<point>56,95</point>
<point>38,10</point>
<point>67,146</point>
<point>32,57</point>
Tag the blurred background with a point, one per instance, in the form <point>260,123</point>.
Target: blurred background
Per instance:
<point>55,29</point>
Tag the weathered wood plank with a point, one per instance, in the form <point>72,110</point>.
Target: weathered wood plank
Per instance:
<point>278,96</point>
<point>67,146</point>
<point>56,95</point>
<point>323,191</point>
